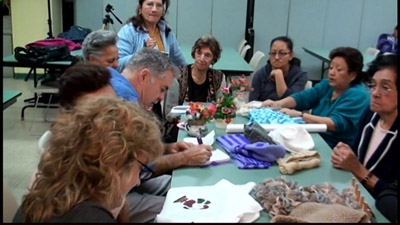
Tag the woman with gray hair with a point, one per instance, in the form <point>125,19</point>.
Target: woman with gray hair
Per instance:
<point>100,48</point>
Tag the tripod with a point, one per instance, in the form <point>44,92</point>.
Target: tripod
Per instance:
<point>107,19</point>
<point>106,22</point>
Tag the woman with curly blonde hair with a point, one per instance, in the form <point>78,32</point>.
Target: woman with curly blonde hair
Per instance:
<point>95,155</point>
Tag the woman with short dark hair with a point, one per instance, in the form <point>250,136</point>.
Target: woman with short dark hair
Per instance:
<point>198,82</point>
<point>373,157</point>
<point>337,101</point>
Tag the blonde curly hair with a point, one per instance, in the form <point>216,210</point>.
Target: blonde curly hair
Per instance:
<point>91,150</point>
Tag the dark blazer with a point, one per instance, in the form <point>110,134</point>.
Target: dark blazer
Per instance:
<point>384,163</point>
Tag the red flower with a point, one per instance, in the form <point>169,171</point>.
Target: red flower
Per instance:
<point>212,108</point>
<point>228,120</point>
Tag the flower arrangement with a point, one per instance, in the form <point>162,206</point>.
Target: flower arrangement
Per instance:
<point>198,114</point>
<point>241,84</point>
<point>225,107</point>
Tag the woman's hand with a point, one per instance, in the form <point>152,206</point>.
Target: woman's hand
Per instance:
<point>268,103</point>
<point>151,43</point>
<point>343,157</point>
<point>276,73</point>
<point>291,112</point>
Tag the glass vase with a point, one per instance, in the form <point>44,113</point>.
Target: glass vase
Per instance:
<point>221,123</point>
<point>196,127</point>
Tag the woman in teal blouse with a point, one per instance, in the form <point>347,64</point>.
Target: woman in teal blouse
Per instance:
<point>337,101</point>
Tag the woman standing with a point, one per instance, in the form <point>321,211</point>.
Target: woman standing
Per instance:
<point>281,76</point>
<point>148,29</point>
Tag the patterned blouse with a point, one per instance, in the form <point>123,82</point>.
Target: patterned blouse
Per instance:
<point>215,79</point>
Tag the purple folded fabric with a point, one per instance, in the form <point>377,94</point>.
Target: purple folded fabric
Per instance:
<point>263,151</point>
<point>234,144</point>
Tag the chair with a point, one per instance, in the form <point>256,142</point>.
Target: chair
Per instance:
<point>244,50</point>
<point>372,51</point>
<point>256,59</point>
<point>241,45</point>
<point>10,205</point>
<point>308,85</point>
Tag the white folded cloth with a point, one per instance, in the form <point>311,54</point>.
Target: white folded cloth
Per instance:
<point>222,202</point>
<point>294,138</point>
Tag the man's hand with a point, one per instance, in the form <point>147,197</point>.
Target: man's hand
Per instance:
<point>177,147</point>
<point>197,155</point>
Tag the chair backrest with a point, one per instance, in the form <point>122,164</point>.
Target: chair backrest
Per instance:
<point>244,50</point>
<point>10,205</point>
<point>256,59</point>
<point>241,45</point>
<point>372,51</point>
<point>308,85</point>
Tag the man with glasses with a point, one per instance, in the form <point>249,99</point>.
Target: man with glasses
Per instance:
<point>145,79</point>
<point>281,76</point>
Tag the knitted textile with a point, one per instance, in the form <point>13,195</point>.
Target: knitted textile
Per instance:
<point>247,155</point>
<point>280,196</point>
<point>268,116</point>
<point>312,212</point>
<point>303,159</point>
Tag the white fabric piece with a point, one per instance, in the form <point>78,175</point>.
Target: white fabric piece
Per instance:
<point>226,203</point>
<point>245,108</point>
<point>294,138</point>
<point>179,109</point>
<point>217,156</point>
<point>310,127</point>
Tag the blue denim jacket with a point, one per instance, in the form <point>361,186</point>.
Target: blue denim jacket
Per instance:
<point>131,39</point>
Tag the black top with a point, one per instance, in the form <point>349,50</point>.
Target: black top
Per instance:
<point>197,93</point>
<point>85,212</point>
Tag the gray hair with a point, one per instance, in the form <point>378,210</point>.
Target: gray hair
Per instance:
<point>154,60</point>
<point>96,41</point>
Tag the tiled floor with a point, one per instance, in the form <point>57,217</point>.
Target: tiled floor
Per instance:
<point>20,138</point>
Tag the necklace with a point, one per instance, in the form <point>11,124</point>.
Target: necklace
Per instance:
<point>198,78</point>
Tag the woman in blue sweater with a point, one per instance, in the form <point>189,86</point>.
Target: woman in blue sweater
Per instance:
<point>148,29</point>
<point>374,156</point>
<point>337,101</point>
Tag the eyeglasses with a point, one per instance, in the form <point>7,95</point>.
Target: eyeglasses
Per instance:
<point>382,89</point>
<point>280,54</point>
<point>146,172</point>
<point>150,5</point>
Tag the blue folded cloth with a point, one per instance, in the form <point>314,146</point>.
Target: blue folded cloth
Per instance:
<point>268,116</point>
<point>248,155</point>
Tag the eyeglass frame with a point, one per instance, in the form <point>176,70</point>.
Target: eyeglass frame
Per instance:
<point>147,174</point>
<point>280,54</point>
<point>150,5</point>
<point>381,89</point>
